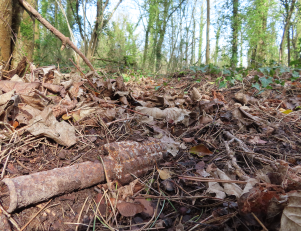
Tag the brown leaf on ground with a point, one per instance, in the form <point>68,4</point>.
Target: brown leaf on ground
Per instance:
<point>188,140</point>
<point>55,89</point>
<point>128,209</point>
<point>290,220</point>
<point>20,69</point>
<point>45,124</point>
<point>4,98</point>
<point>164,174</point>
<point>200,150</point>
<point>210,106</point>
<point>195,95</point>
<point>75,90</point>
<point>149,208</point>
<point>63,107</point>
<point>19,87</point>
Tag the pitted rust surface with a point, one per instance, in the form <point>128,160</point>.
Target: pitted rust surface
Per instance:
<point>129,157</point>
<point>123,159</point>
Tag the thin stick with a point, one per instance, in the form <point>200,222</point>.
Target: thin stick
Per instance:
<point>5,165</point>
<point>24,227</point>
<point>80,214</point>
<point>10,218</point>
<point>65,40</point>
<point>201,179</point>
<point>92,85</point>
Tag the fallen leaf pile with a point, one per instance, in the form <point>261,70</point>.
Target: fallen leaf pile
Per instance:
<point>234,160</point>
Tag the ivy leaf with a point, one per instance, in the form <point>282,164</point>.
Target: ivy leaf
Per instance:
<point>295,76</point>
<point>238,77</point>
<point>203,69</point>
<point>222,84</point>
<point>266,81</point>
<point>193,69</point>
<point>257,86</point>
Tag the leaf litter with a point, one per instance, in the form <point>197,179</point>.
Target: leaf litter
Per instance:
<point>233,163</point>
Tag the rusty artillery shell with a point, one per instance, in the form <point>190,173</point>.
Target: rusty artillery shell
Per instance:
<point>40,186</point>
<point>124,159</point>
<point>129,158</point>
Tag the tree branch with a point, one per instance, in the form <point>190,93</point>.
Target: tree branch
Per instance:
<point>65,40</point>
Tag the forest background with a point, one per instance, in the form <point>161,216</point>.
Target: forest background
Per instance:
<point>156,36</point>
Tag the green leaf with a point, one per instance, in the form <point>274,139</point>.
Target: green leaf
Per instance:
<point>193,69</point>
<point>266,81</point>
<point>238,77</point>
<point>257,86</point>
<point>223,84</point>
<point>157,88</point>
<point>281,82</point>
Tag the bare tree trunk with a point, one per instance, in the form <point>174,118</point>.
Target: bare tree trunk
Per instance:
<point>5,29</point>
<point>288,48</point>
<point>193,44</point>
<point>201,34</point>
<point>286,26</point>
<point>234,57</point>
<point>207,34</point>
<point>25,42</point>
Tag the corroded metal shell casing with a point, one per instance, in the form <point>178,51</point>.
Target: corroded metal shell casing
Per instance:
<point>122,160</point>
<point>40,186</point>
<point>128,158</point>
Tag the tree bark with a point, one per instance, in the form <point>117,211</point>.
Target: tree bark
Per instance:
<point>234,57</point>
<point>288,48</point>
<point>24,45</point>
<point>5,29</point>
<point>201,34</point>
<point>286,26</point>
<point>57,33</point>
<point>207,34</point>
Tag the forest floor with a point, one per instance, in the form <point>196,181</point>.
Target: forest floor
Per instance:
<point>233,159</point>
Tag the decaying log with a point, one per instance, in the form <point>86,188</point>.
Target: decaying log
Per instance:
<point>123,160</point>
<point>65,40</point>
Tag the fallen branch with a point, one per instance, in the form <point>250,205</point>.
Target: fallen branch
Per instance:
<point>65,40</point>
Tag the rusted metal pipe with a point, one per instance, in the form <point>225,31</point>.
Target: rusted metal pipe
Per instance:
<point>40,186</point>
<point>124,160</point>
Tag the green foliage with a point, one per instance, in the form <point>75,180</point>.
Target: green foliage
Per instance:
<point>26,29</point>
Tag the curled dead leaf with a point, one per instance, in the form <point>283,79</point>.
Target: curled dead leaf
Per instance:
<point>164,174</point>
<point>200,150</point>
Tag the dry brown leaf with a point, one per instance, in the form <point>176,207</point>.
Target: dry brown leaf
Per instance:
<point>175,114</point>
<point>291,219</point>
<point>128,209</point>
<point>195,95</point>
<point>4,98</point>
<point>63,107</point>
<point>34,101</point>
<point>188,140</point>
<point>214,187</point>
<point>21,88</point>
<point>244,99</point>
<point>45,124</point>
<point>205,119</point>
<point>75,90</point>
<point>26,113</point>
<point>200,150</point>
<point>55,88</point>
<point>164,174</point>
<point>149,208</point>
